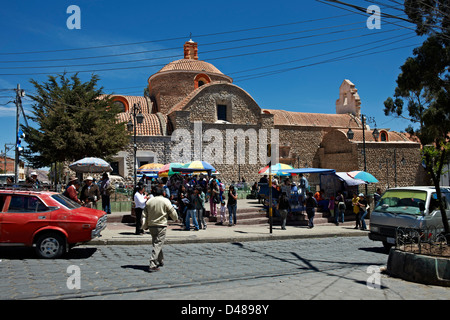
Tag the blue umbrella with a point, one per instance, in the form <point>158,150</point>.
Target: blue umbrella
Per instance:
<point>362,175</point>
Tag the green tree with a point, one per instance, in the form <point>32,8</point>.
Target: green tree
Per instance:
<point>424,84</point>
<point>74,120</point>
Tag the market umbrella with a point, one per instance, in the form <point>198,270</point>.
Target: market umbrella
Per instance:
<point>277,169</point>
<point>343,176</point>
<point>195,166</point>
<point>166,170</point>
<point>150,168</point>
<point>90,165</point>
<point>362,175</point>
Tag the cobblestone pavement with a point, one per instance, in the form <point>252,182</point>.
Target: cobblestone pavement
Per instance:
<point>321,268</point>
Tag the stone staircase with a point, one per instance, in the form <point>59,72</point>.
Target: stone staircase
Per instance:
<point>245,216</point>
<point>256,215</point>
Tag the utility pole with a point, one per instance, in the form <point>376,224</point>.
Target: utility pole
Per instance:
<point>19,94</point>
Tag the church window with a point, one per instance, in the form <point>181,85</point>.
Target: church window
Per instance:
<point>383,136</point>
<point>201,79</point>
<point>120,105</point>
<point>222,112</point>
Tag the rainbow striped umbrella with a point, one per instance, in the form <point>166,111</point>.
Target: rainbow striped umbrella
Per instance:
<point>167,171</point>
<point>276,169</point>
<point>195,166</point>
<point>150,168</point>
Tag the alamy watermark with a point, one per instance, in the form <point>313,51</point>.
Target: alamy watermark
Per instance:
<point>374,280</point>
<point>74,20</point>
<point>374,21</point>
<point>74,280</point>
<point>227,146</point>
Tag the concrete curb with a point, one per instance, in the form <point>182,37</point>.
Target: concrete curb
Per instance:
<point>419,268</point>
<point>185,237</point>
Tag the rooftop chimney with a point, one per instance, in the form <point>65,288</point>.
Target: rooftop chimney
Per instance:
<point>190,50</point>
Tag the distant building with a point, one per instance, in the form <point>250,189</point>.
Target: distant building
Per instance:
<point>7,166</point>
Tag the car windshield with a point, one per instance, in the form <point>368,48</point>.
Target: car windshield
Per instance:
<point>70,204</point>
<point>402,202</point>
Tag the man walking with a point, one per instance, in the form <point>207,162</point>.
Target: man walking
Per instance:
<point>155,215</point>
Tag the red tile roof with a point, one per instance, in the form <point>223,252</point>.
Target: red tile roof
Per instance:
<point>393,136</point>
<point>150,127</point>
<point>190,65</point>
<point>290,118</point>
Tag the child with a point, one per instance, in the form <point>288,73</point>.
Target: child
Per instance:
<point>223,210</point>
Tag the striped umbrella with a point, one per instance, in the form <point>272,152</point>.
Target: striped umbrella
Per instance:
<point>195,166</point>
<point>166,170</point>
<point>150,168</point>
<point>277,169</point>
<point>91,165</point>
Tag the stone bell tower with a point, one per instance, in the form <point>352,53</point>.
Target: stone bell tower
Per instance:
<point>349,101</point>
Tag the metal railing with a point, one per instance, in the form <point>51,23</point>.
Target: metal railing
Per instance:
<point>429,241</point>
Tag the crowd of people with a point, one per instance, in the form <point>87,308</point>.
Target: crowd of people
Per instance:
<point>189,195</point>
<point>89,193</point>
<point>287,193</point>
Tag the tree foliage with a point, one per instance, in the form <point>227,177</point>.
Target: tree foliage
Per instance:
<point>74,120</point>
<point>423,87</point>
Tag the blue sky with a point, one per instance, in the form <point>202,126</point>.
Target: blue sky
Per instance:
<point>275,50</point>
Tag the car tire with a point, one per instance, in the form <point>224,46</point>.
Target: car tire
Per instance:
<point>50,246</point>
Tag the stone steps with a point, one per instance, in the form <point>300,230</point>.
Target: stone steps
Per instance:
<point>253,216</point>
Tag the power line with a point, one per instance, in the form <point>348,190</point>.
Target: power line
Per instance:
<point>204,52</point>
<point>250,77</point>
<point>209,59</point>
<point>175,38</point>
<point>176,48</point>
<point>323,54</point>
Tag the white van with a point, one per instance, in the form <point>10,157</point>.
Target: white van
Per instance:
<point>407,207</point>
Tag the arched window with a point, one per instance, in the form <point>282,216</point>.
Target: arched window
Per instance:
<point>201,79</point>
<point>384,136</point>
<point>120,105</point>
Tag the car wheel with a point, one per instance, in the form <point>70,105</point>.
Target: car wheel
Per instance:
<point>50,246</point>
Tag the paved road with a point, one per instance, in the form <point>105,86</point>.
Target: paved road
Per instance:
<point>321,268</point>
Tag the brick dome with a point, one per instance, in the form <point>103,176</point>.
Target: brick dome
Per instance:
<point>190,65</point>
<point>179,78</point>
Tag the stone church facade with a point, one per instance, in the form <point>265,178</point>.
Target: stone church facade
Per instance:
<point>195,112</point>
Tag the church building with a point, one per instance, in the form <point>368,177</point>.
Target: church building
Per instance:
<point>195,112</point>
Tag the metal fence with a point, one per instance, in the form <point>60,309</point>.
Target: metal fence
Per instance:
<point>430,241</point>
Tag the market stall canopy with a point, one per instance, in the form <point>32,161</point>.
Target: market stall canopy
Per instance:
<point>310,170</point>
<point>90,165</point>
<point>343,176</point>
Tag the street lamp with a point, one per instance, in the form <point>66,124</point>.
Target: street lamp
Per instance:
<point>375,134</point>
<point>138,118</point>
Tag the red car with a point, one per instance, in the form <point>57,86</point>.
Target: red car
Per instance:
<point>47,221</point>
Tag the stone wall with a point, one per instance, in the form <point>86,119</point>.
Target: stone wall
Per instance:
<point>167,89</point>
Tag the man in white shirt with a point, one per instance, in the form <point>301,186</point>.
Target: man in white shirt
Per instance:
<point>139,206</point>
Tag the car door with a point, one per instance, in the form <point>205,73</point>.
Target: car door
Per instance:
<point>434,219</point>
<point>22,216</point>
<point>2,204</point>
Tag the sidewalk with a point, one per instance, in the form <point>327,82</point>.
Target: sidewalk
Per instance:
<point>118,233</point>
